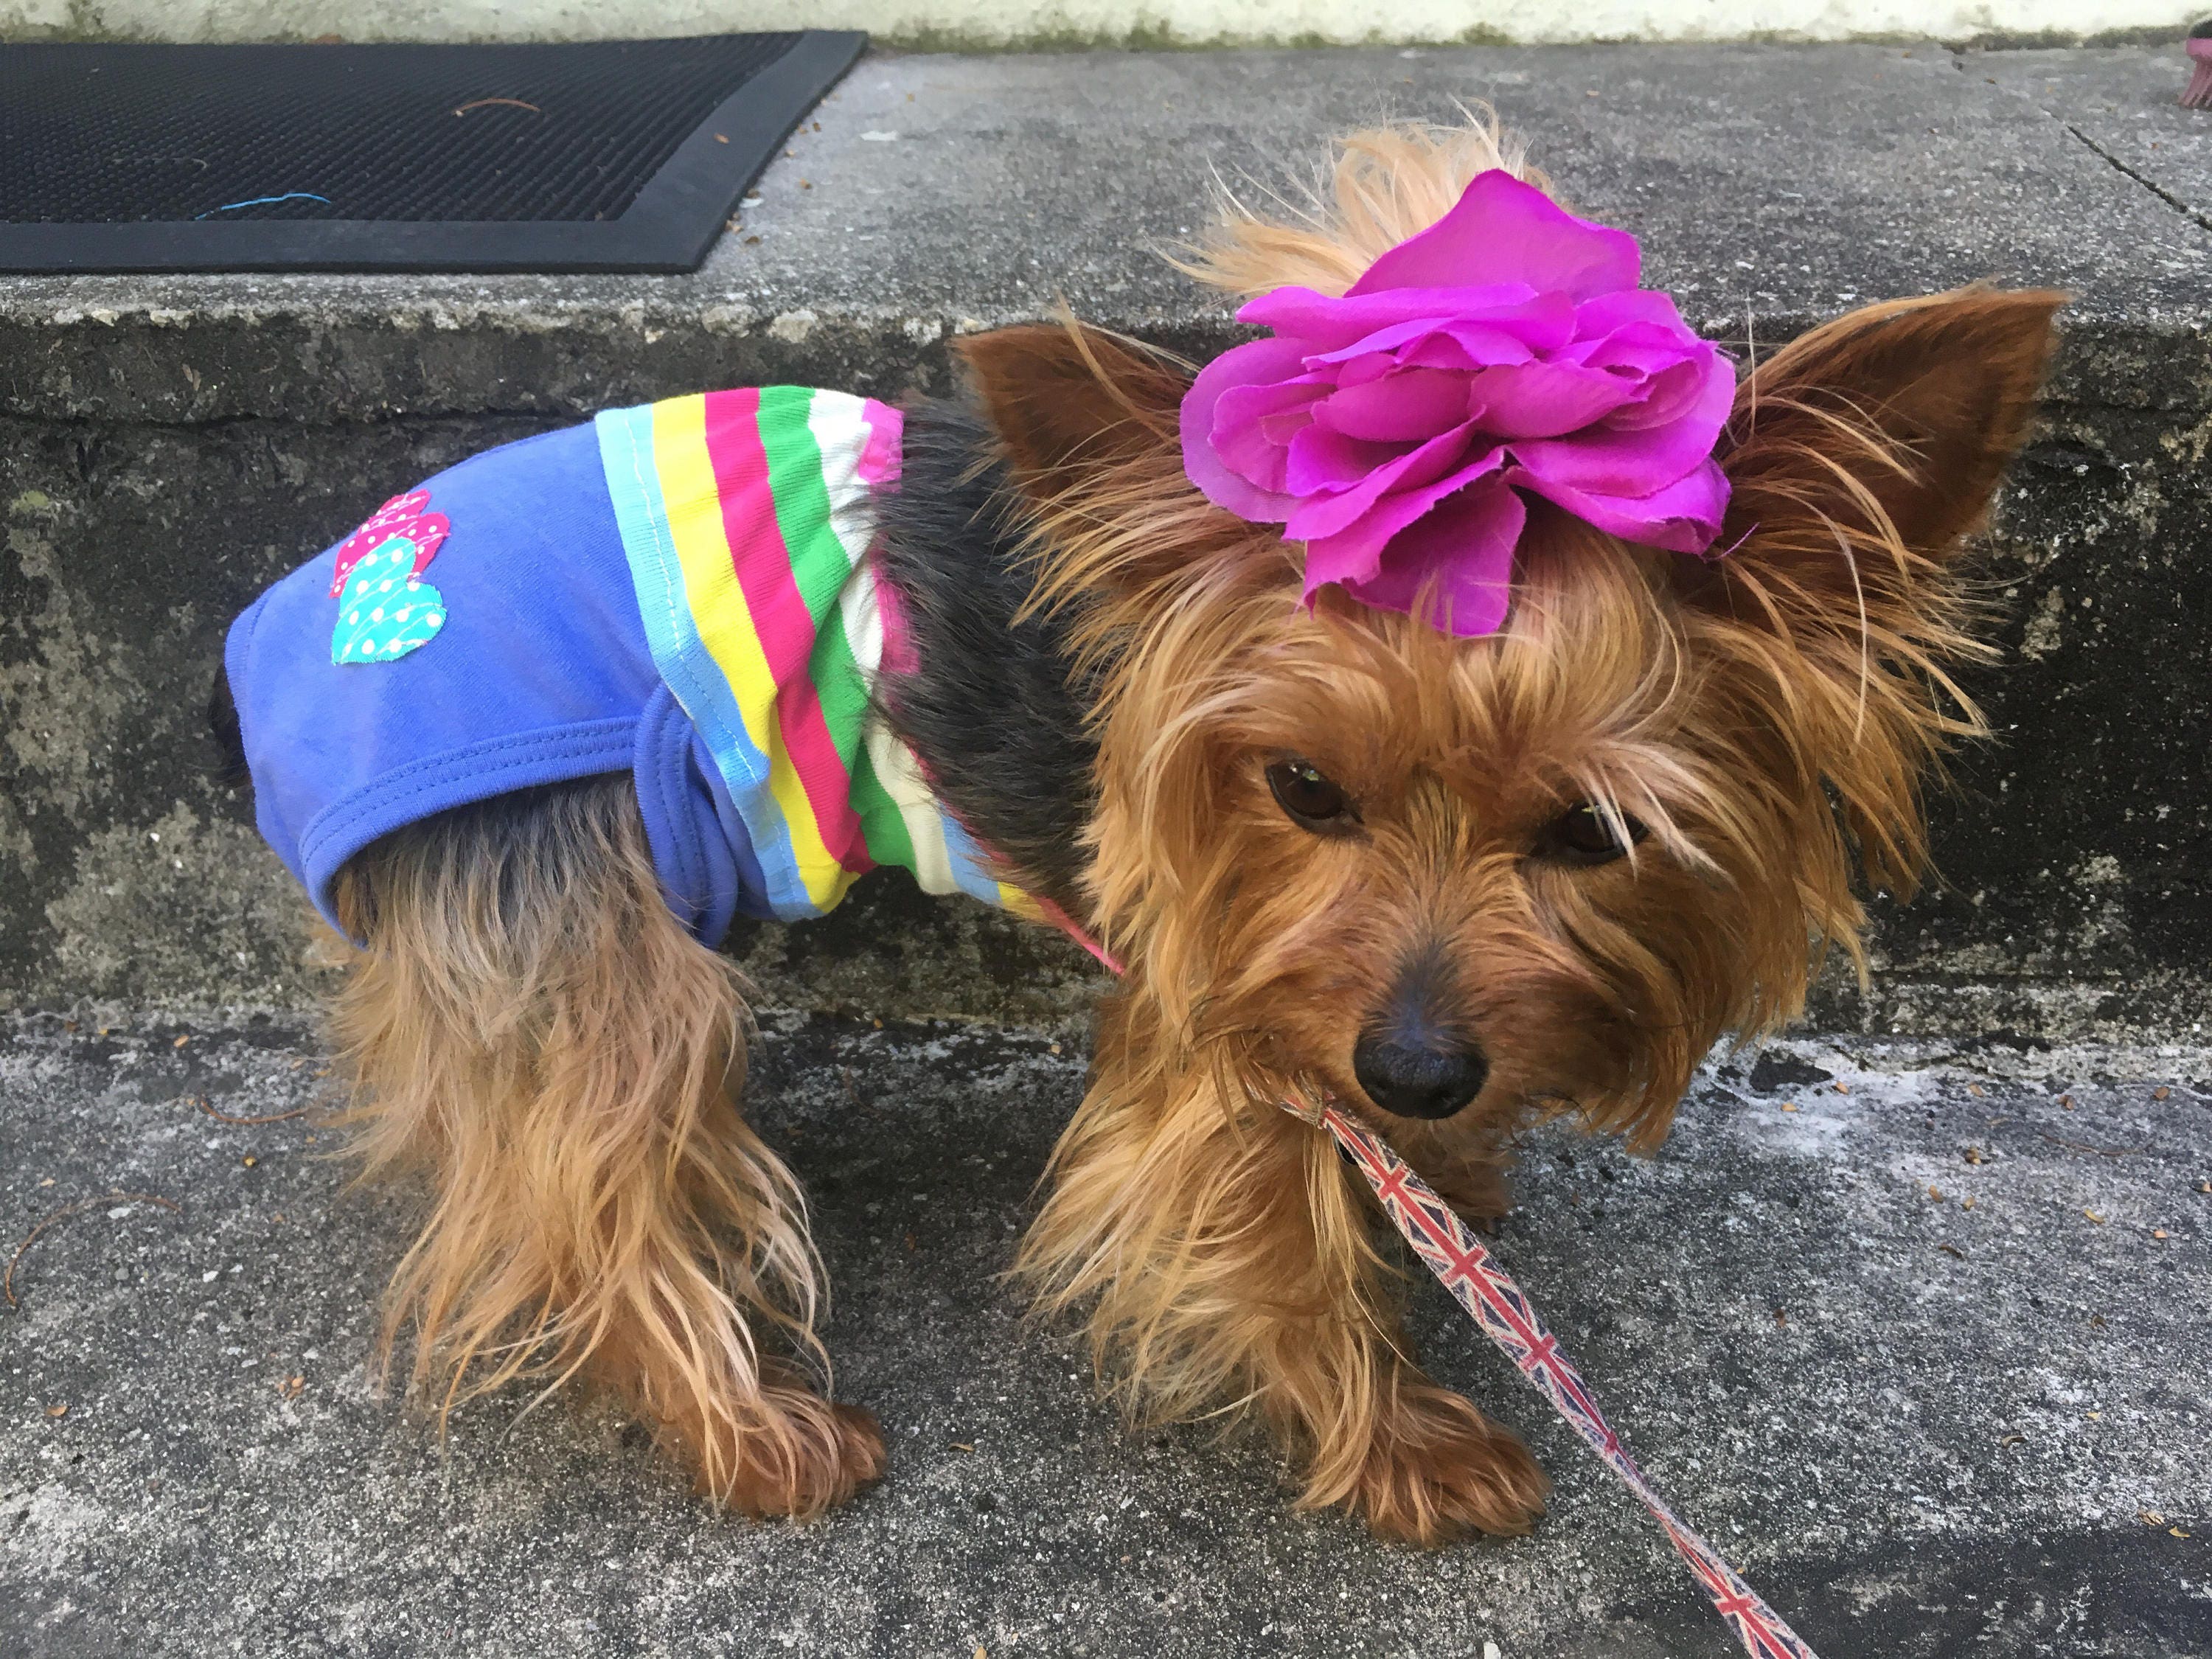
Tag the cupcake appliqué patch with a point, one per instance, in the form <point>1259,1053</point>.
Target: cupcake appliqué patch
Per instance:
<point>385,610</point>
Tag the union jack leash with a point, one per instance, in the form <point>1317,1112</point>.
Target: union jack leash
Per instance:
<point>1503,1311</point>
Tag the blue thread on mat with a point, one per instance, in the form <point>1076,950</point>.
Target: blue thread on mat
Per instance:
<point>262,201</point>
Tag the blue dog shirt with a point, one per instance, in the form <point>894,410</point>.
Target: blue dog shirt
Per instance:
<point>682,592</point>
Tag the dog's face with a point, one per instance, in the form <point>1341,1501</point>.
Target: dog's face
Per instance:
<point>1452,881</point>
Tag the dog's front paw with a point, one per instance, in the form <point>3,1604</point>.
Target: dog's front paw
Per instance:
<point>1438,1469</point>
<point>805,1460</point>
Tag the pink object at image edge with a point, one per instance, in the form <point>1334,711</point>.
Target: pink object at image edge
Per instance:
<point>2198,94</point>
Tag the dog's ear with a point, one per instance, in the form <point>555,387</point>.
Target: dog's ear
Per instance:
<point>1862,452</point>
<point>1089,427</point>
<point>1862,455</point>
<point>1070,404</point>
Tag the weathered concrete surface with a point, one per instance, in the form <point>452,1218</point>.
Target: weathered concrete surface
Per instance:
<point>171,444</point>
<point>1920,1429</point>
<point>2126,106</point>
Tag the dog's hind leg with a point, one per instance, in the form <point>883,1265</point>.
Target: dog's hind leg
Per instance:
<point>1227,1256</point>
<point>531,1027</point>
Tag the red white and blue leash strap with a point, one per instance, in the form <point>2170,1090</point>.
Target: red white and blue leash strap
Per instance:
<point>1503,1311</point>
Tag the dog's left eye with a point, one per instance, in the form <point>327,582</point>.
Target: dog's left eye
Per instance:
<point>1583,834</point>
<point>1308,799</point>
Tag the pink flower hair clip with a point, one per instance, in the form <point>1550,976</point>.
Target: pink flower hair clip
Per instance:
<point>1506,351</point>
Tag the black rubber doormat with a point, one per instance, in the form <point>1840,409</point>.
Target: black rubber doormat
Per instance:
<point>603,155</point>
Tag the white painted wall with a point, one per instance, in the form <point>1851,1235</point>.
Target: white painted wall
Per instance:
<point>980,22</point>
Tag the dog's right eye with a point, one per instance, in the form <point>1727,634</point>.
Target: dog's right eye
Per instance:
<point>1309,800</point>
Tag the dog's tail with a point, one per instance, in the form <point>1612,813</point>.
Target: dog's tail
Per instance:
<point>231,769</point>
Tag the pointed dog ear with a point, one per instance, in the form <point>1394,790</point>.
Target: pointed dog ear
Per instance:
<point>1070,402</point>
<point>1862,454</point>
<point>1089,427</point>
<point>1888,427</point>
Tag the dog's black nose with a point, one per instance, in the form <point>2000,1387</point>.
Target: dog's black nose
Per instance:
<point>1431,1076</point>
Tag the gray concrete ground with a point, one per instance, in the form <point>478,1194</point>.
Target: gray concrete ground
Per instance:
<point>168,445</point>
<point>1920,1429</point>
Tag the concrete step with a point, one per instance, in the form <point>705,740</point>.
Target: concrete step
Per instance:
<point>1919,1428</point>
<point>173,443</point>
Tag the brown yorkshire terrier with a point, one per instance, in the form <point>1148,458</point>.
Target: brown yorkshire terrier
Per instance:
<point>1458,880</point>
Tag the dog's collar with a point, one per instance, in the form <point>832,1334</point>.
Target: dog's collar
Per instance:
<point>1075,929</point>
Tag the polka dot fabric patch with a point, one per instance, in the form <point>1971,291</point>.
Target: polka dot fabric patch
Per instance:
<point>385,610</point>
<point>405,515</point>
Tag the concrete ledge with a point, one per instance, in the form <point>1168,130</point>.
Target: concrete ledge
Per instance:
<point>173,443</point>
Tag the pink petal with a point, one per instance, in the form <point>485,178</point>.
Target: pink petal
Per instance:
<point>1350,557</point>
<point>1463,347</point>
<point>1358,371</point>
<point>1356,540</point>
<point>1501,230</point>
<point>1328,321</point>
<point>1605,312</point>
<point>1325,462</point>
<point>1507,334</point>
<point>1459,555</point>
<point>1634,462</point>
<point>1253,423</point>
<point>1683,517</point>
<point>1668,394</point>
<point>1257,363</point>
<point>1638,351</point>
<point>1385,342</point>
<point>1542,400</point>
<point>1404,407</point>
<point>1417,470</point>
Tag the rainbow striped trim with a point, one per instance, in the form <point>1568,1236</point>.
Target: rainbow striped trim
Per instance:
<point>747,517</point>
